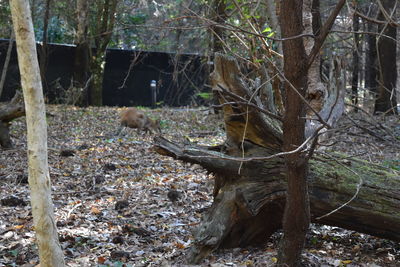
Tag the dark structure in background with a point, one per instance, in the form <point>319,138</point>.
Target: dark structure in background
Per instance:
<point>127,78</point>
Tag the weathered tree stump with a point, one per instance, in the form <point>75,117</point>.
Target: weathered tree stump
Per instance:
<point>250,183</point>
<point>8,112</point>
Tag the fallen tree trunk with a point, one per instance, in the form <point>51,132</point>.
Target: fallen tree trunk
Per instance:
<point>249,195</point>
<point>250,180</point>
<point>8,112</point>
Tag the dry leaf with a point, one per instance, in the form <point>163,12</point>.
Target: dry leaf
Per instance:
<point>95,210</point>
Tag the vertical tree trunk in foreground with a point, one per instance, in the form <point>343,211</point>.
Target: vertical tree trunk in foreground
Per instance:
<point>296,218</point>
<point>50,252</point>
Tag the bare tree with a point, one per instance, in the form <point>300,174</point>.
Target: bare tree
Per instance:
<point>50,252</point>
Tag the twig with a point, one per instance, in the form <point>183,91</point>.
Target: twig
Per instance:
<point>73,208</point>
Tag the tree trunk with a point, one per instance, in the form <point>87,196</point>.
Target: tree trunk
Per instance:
<point>371,64</point>
<point>296,217</point>
<point>312,25</point>
<point>386,100</point>
<point>50,252</point>
<point>271,11</point>
<point>105,18</point>
<point>250,177</point>
<point>96,88</point>
<point>81,60</point>
<point>356,62</point>
<point>218,15</point>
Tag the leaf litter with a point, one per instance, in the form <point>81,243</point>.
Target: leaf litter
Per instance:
<point>118,203</point>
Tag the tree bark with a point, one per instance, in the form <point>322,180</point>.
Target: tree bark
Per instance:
<point>103,32</point>
<point>316,90</point>
<point>82,52</point>
<point>356,61</point>
<point>371,75</point>
<point>271,10</point>
<point>386,100</point>
<point>50,252</point>
<point>250,177</point>
<point>218,15</point>
<point>296,217</point>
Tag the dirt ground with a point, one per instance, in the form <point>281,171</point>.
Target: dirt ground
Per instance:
<point>118,203</point>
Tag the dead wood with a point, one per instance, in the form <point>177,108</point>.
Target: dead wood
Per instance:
<point>8,112</point>
<point>250,183</point>
<point>249,196</point>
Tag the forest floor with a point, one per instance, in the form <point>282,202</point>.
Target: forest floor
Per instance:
<point>118,203</point>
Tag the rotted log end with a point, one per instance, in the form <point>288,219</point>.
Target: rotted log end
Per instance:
<point>166,148</point>
<point>5,140</point>
<point>233,221</point>
<point>8,112</point>
<point>215,226</point>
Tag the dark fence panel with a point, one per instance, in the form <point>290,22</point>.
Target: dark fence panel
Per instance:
<point>127,77</point>
<point>12,81</point>
<point>60,63</point>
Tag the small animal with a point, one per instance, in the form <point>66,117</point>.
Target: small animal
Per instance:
<point>133,118</point>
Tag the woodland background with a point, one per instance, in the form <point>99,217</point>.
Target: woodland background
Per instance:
<point>118,202</point>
